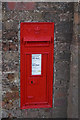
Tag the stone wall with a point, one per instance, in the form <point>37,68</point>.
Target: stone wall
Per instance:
<point>62,15</point>
<point>74,66</point>
<point>0,60</point>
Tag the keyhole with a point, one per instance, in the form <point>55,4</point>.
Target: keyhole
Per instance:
<point>31,82</point>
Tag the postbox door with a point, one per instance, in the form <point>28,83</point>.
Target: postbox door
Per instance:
<point>36,79</point>
<point>36,64</point>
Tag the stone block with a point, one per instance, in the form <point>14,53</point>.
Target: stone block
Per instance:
<point>57,7</point>
<point>9,98</point>
<point>76,18</point>
<point>61,46</point>
<point>32,114</point>
<point>21,5</point>
<point>10,56</point>
<point>9,35</point>
<point>5,46</point>
<point>1,35</point>
<point>63,37</point>
<point>13,46</point>
<point>10,84</point>
<point>65,27</point>
<point>10,66</point>
<point>59,114</point>
<point>62,56</point>
<point>66,16</point>
<point>11,24</point>
<point>51,17</point>
<point>45,113</point>
<point>36,16</point>
<point>62,75</point>
<point>78,29</point>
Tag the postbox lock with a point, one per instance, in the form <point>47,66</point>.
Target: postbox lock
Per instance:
<point>32,82</point>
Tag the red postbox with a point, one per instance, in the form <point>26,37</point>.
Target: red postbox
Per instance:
<point>36,64</point>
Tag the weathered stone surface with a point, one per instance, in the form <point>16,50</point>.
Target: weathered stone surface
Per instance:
<point>66,16</point>
<point>11,113</point>
<point>61,46</point>
<point>5,46</point>
<point>10,66</point>
<point>10,34</point>
<point>66,37</point>
<point>11,61</point>
<point>62,15</point>
<point>78,29</point>
<point>0,45</point>
<point>73,103</point>
<point>76,7</point>
<point>65,27</point>
<point>10,24</point>
<point>33,114</point>
<point>58,114</point>
<point>57,7</point>
<point>50,17</point>
<point>10,79</point>
<point>76,18</point>
<point>21,6</point>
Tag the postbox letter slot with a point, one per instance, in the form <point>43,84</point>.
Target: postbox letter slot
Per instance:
<point>37,39</point>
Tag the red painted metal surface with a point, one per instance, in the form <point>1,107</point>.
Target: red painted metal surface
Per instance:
<point>36,54</point>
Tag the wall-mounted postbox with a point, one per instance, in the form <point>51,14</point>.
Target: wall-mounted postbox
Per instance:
<point>36,64</point>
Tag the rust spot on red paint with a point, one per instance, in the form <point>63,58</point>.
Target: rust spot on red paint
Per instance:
<point>21,5</point>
